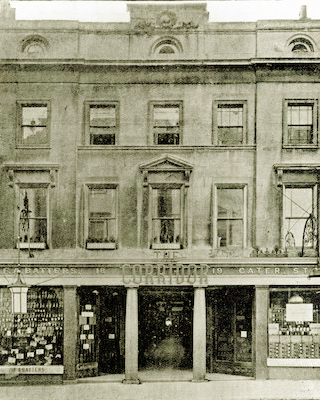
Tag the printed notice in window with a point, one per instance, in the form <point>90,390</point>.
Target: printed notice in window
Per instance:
<point>299,312</point>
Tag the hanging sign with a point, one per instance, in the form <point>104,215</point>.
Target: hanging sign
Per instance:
<point>299,312</point>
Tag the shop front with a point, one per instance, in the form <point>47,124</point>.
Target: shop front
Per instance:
<point>294,332</point>
<point>256,320</point>
<point>31,343</point>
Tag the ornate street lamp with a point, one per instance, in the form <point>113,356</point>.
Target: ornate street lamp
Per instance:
<point>19,289</point>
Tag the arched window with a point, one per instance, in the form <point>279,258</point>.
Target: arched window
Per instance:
<point>166,49</point>
<point>34,46</point>
<point>301,45</point>
<point>168,46</point>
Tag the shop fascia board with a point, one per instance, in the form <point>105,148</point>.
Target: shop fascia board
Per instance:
<point>250,262</point>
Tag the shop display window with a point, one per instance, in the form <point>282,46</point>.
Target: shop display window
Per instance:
<point>36,337</point>
<point>294,323</point>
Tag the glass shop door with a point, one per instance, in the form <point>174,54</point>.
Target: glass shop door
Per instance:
<point>165,329</point>
<point>230,331</point>
<point>101,331</point>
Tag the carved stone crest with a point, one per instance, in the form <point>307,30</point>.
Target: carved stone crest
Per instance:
<point>167,19</point>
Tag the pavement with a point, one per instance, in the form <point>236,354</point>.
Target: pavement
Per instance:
<point>160,387</point>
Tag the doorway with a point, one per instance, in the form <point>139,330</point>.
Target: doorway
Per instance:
<point>230,330</point>
<point>165,328</point>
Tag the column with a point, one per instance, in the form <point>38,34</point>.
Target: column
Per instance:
<point>131,339</point>
<point>199,334</point>
<point>70,332</point>
<point>261,345</point>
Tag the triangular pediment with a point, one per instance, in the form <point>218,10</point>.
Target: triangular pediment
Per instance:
<point>166,163</point>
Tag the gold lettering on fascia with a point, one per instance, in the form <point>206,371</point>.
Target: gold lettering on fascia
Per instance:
<point>276,270</point>
<point>42,271</point>
<point>166,274</point>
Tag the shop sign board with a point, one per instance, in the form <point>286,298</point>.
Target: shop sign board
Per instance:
<point>165,272</point>
<point>299,312</point>
<point>32,369</point>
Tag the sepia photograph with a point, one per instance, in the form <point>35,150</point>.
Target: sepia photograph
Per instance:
<point>159,200</point>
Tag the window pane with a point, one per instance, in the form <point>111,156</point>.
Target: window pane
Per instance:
<point>230,135</point>
<point>230,233</point>
<point>103,230</point>
<point>165,116</point>
<point>34,135</point>
<point>38,230</point>
<point>96,230</point>
<point>34,116</point>
<point>298,202</point>
<point>101,136</point>
<point>166,202</point>
<point>230,115</point>
<point>295,228</point>
<point>34,125</point>
<point>34,201</point>
<point>300,114</point>
<point>101,116</point>
<point>166,230</point>
<point>300,134</point>
<point>168,138</point>
<point>102,203</point>
<point>230,203</point>
<point>166,225</point>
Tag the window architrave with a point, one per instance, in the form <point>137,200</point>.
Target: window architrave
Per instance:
<point>153,130</point>
<point>19,186</point>
<point>166,172</point>
<point>244,187</point>
<point>301,39</point>
<point>285,126</point>
<point>113,131</point>
<point>170,41</point>
<point>297,247</point>
<point>32,103</point>
<point>297,176</point>
<point>91,186</point>
<point>215,131</point>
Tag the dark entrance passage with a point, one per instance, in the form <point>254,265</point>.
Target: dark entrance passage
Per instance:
<point>165,328</point>
<point>230,330</point>
<point>101,331</point>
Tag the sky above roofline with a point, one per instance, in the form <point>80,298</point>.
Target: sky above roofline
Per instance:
<point>116,11</point>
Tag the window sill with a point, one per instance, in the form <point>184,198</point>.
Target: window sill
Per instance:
<point>31,147</point>
<point>101,246</point>
<point>300,146</point>
<point>32,246</point>
<point>166,246</point>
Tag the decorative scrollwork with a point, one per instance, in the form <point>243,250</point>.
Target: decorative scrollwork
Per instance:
<point>310,234</point>
<point>24,215</point>
<point>289,240</point>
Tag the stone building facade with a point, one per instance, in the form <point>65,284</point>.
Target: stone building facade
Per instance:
<point>159,196</point>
